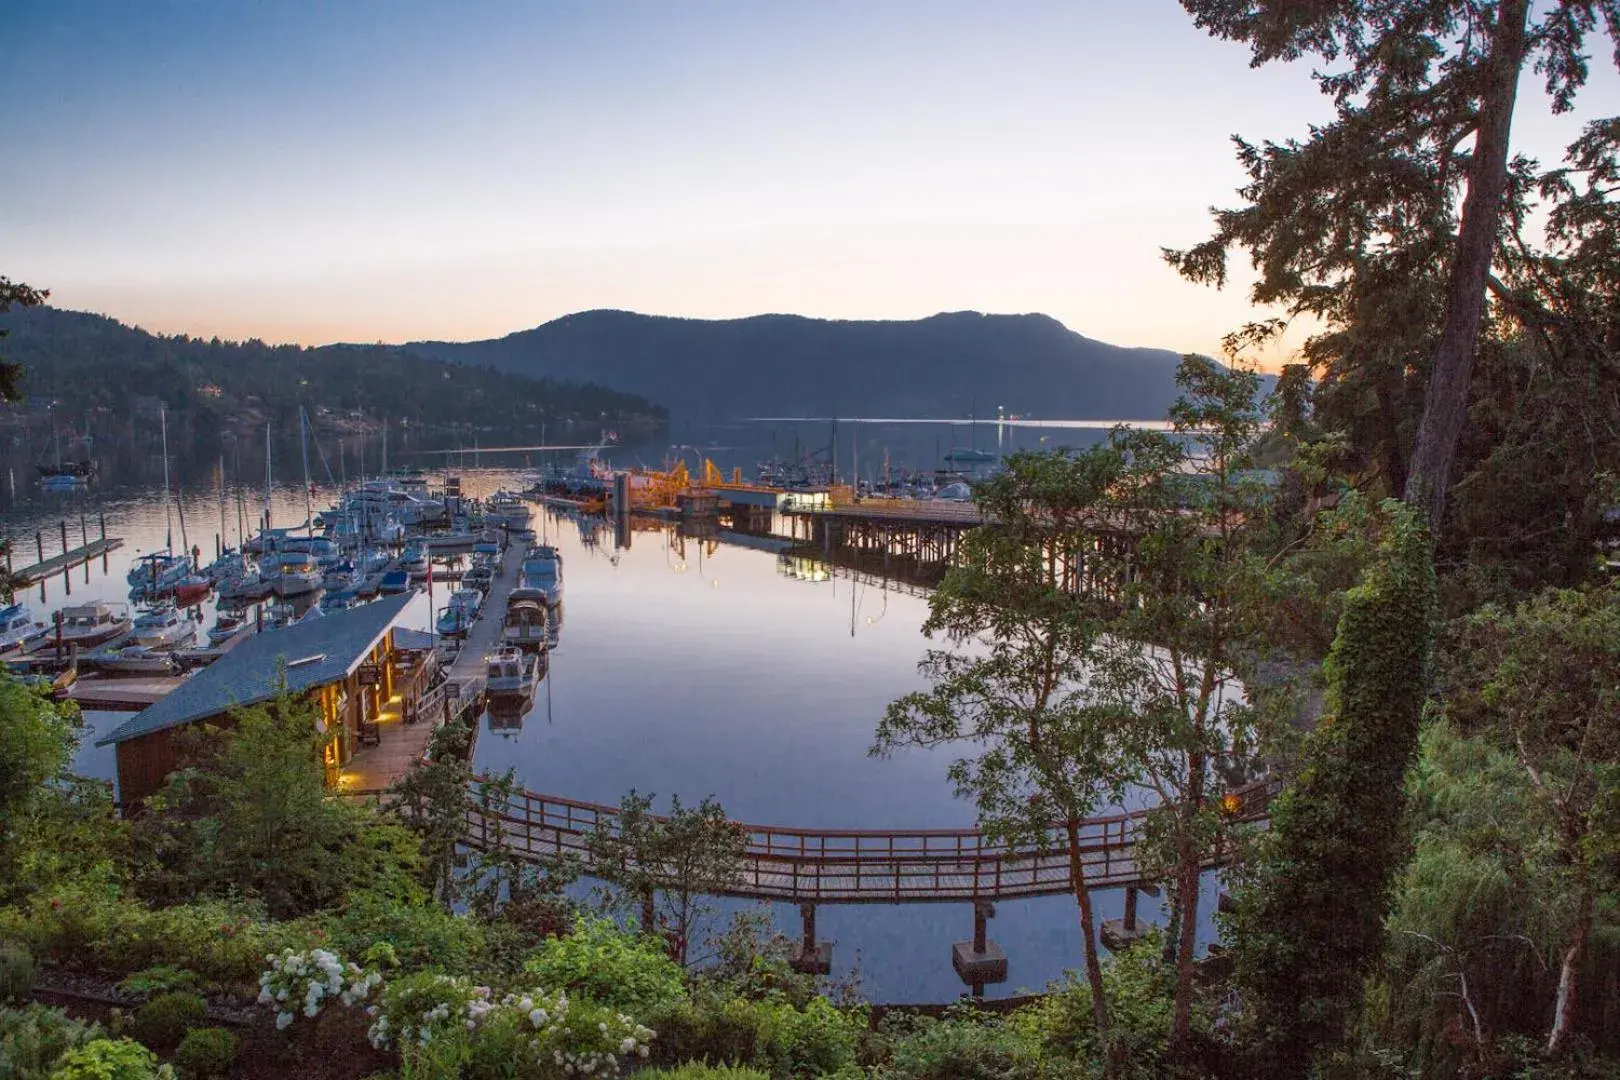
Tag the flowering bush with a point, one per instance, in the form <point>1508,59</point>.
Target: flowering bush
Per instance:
<point>419,1007</point>
<point>306,981</point>
<point>606,963</point>
<point>531,1034</point>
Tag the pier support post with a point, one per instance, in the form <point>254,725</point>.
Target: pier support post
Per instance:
<point>39,544</point>
<point>815,958</point>
<point>980,961</point>
<point>1121,934</point>
<point>63,524</point>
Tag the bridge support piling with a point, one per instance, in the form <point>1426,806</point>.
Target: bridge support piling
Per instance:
<point>815,958</point>
<point>980,961</point>
<point>1120,934</point>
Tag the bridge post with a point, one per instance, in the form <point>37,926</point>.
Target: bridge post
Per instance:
<point>815,958</point>
<point>1121,934</point>
<point>981,960</point>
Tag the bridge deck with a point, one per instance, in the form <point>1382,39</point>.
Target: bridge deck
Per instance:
<point>833,866</point>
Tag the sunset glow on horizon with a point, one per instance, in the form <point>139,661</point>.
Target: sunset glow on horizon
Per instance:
<point>399,171</point>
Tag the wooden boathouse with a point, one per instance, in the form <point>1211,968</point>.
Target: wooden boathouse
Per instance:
<point>349,664</point>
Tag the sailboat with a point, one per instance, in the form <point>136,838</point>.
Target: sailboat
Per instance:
<point>62,476</point>
<point>159,573</point>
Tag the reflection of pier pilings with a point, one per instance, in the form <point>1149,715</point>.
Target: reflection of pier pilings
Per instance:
<point>896,575</point>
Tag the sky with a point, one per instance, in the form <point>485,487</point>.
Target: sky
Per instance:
<point>391,170</point>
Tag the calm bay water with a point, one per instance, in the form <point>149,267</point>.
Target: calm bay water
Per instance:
<point>684,667</point>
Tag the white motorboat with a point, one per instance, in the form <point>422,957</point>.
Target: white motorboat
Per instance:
<point>510,673</point>
<point>95,623</point>
<point>526,621</point>
<point>506,510</point>
<point>162,627</point>
<point>381,500</point>
<point>133,660</point>
<point>230,564</point>
<point>414,561</point>
<point>542,572</point>
<point>296,574</point>
<point>245,588</point>
<point>18,627</point>
<point>460,613</point>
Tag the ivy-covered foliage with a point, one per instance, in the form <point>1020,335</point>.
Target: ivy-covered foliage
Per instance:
<point>1309,928</point>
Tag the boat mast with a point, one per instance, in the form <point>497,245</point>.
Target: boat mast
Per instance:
<point>303,443</point>
<point>384,474</point>
<point>222,536</point>
<point>168,522</point>
<point>267,475</point>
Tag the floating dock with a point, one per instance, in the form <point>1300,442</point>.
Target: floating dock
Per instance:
<point>69,559</point>
<point>121,694</point>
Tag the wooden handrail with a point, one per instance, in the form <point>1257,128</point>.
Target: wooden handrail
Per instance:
<point>856,865</point>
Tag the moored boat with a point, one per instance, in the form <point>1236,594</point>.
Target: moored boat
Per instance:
<point>162,627</point>
<point>511,673</point>
<point>542,572</point>
<point>18,627</point>
<point>133,660</point>
<point>158,573</point>
<point>227,626</point>
<point>95,623</point>
<point>296,574</point>
<point>525,626</point>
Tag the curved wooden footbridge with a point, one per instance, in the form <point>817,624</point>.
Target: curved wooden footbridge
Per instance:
<point>860,866</point>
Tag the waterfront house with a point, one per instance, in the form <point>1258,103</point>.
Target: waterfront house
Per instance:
<point>349,664</point>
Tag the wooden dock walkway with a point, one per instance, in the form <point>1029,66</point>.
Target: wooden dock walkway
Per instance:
<point>374,769</point>
<point>847,866</point>
<point>121,693</point>
<point>78,556</point>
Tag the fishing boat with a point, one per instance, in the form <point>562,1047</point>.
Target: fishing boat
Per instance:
<point>95,623</point>
<point>18,628</point>
<point>525,625</point>
<point>158,573</point>
<point>542,572</point>
<point>510,673</point>
<point>133,660</point>
<point>162,627</point>
<point>296,574</point>
<point>460,613</point>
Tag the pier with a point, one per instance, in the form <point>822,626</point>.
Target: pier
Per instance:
<point>810,867</point>
<point>922,533</point>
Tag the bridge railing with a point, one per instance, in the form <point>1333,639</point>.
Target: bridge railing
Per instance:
<point>855,865</point>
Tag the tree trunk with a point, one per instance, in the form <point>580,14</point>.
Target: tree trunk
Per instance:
<point>1088,934</point>
<point>1188,874</point>
<point>1446,407</point>
<point>1564,1012</point>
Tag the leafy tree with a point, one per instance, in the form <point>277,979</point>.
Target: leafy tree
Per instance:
<point>1311,921</point>
<point>23,296</point>
<point>37,740</point>
<point>435,800</point>
<point>1484,901</point>
<point>1544,681</point>
<point>668,864</point>
<point>251,813</point>
<point>1359,224</point>
<point>1022,621</point>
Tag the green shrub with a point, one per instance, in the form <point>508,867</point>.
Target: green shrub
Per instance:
<point>94,929</point>
<point>111,1059</point>
<point>422,935</point>
<point>205,1053</point>
<point>960,1047</point>
<point>16,972</point>
<point>710,1027</point>
<point>160,979</point>
<point>611,966</point>
<point>32,1038</point>
<point>819,1040</point>
<point>162,1022</point>
<point>695,1071</point>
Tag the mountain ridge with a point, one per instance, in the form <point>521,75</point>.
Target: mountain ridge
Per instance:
<point>947,364</point>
